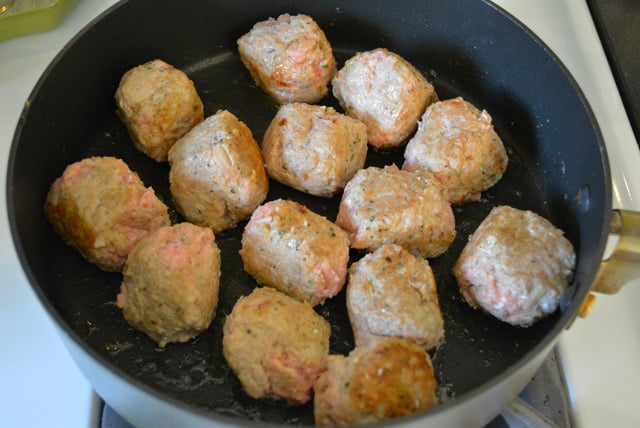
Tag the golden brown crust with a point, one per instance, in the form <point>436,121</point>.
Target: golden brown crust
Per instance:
<point>276,345</point>
<point>171,281</point>
<point>384,379</point>
<point>102,208</point>
<point>159,104</point>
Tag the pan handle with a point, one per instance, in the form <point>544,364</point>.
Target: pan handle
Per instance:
<point>623,265</point>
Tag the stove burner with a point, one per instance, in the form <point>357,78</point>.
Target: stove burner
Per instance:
<point>544,402</point>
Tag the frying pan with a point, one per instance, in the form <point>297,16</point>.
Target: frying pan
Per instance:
<point>558,168</point>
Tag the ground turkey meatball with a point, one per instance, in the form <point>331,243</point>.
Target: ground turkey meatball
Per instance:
<point>314,148</point>
<point>289,247</point>
<point>457,143</point>
<point>102,209</point>
<point>393,293</point>
<point>171,282</point>
<point>516,266</point>
<point>276,345</point>
<point>387,378</point>
<point>159,104</point>
<point>217,173</point>
<point>385,92</point>
<point>289,57</point>
<point>391,206</point>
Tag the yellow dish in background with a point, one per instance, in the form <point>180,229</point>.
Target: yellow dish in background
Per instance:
<point>19,17</point>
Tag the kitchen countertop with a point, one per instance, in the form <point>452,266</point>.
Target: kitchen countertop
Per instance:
<point>42,387</point>
<point>618,23</point>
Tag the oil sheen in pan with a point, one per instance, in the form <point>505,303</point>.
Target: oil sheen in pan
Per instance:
<point>475,349</point>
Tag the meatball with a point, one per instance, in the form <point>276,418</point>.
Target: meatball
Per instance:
<point>276,345</point>
<point>158,104</point>
<point>171,283</point>
<point>102,209</point>
<point>393,293</point>
<point>289,57</point>
<point>457,143</point>
<point>386,92</point>
<point>391,206</point>
<point>387,378</point>
<point>217,173</point>
<point>288,247</point>
<point>516,266</point>
<point>314,148</point>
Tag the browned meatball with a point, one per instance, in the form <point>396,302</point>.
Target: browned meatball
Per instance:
<point>314,148</point>
<point>457,143</point>
<point>217,173</point>
<point>102,209</point>
<point>387,378</point>
<point>391,206</point>
<point>276,345</point>
<point>171,283</point>
<point>159,104</point>
<point>393,293</point>
<point>516,266</point>
<point>289,247</point>
<point>289,57</point>
<point>384,91</point>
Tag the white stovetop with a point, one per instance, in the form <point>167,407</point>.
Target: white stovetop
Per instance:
<point>41,387</point>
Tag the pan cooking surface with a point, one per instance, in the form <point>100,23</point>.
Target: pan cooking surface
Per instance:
<point>476,347</point>
<point>465,48</point>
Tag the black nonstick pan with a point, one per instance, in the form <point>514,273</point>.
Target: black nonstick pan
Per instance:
<point>557,168</point>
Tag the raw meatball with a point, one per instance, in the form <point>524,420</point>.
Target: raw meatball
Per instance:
<point>102,209</point>
<point>387,378</point>
<point>391,206</point>
<point>457,143</point>
<point>288,247</point>
<point>314,148</point>
<point>289,57</point>
<point>217,173</point>
<point>159,104</point>
<point>516,266</point>
<point>385,92</point>
<point>171,282</point>
<point>276,345</point>
<point>393,293</point>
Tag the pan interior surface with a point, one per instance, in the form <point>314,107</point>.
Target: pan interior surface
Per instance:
<point>465,48</point>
